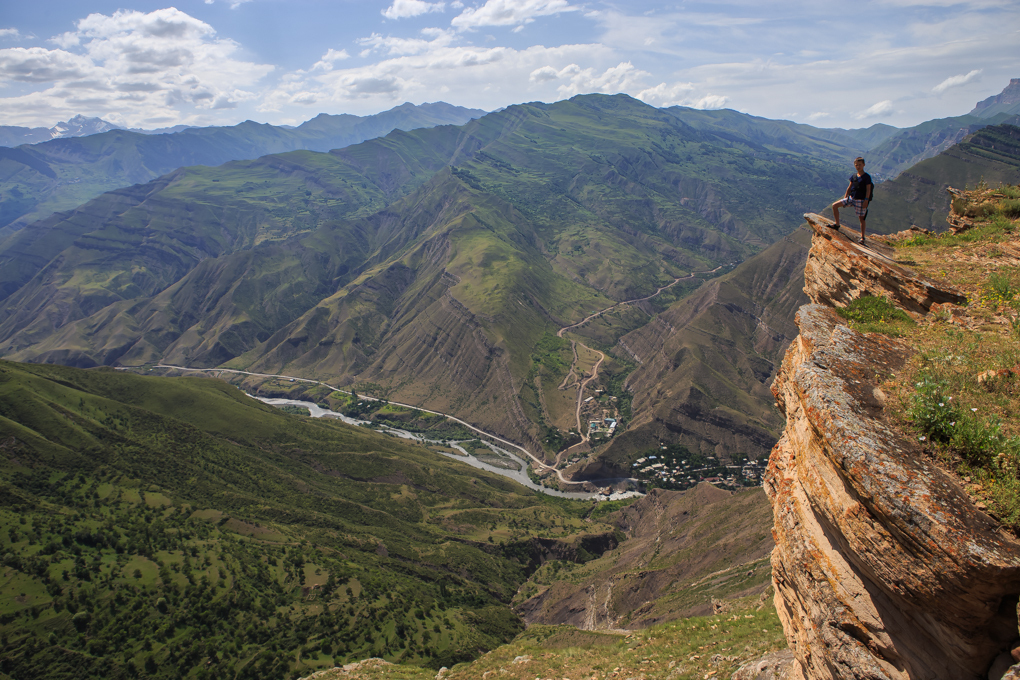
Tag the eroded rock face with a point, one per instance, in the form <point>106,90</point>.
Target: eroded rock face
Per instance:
<point>884,567</point>
<point>839,269</point>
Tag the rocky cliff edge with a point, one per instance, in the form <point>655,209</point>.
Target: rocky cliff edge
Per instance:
<point>883,567</point>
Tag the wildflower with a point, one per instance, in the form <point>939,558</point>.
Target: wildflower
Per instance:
<point>921,438</point>
<point>952,424</point>
<point>949,399</point>
<point>974,410</point>
<point>941,404</point>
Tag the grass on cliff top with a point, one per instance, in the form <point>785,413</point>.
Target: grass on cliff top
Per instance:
<point>870,314</point>
<point>699,647</point>
<point>960,393</point>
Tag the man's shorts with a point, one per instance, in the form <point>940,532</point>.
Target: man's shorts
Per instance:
<point>858,205</point>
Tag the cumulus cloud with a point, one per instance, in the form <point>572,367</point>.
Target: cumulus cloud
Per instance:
<point>882,109</point>
<point>10,33</point>
<point>510,13</point>
<point>402,9</point>
<point>330,58</point>
<point>677,94</point>
<point>956,81</point>
<point>622,77</point>
<point>481,75</point>
<point>39,65</point>
<point>132,66</point>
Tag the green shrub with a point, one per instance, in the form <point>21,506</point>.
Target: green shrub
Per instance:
<point>1010,208</point>
<point>977,441</point>
<point>932,410</point>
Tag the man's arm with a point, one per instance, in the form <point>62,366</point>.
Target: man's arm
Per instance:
<point>867,197</point>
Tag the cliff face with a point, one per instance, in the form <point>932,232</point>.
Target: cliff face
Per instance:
<point>884,567</point>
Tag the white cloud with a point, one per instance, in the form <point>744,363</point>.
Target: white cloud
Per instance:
<point>402,9</point>
<point>330,58</point>
<point>882,109</point>
<point>956,81</point>
<point>619,78</point>
<point>134,66</point>
<point>39,65</point>
<point>10,33</point>
<point>711,101</point>
<point>680,94</point>
<point>404,46</point>
<point>477,76</point>
<point>662,94</point>
<point>234,4</point>
<point>510,13</point>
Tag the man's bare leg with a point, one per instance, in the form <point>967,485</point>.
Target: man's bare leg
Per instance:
<point>862,230</point>
<point>835,213</point>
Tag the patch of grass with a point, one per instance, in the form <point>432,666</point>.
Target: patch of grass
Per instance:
<point>871,314</point>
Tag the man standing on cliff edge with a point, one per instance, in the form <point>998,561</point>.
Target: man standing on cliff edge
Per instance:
<point>858,194</point>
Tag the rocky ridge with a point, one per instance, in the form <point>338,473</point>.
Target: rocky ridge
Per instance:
<point>884,566</point>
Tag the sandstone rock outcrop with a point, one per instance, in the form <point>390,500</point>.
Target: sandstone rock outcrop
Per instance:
<point>840,269</point>
<point>884,567</point>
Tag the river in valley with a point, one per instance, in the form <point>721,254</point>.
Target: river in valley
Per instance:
<point>519,475</point>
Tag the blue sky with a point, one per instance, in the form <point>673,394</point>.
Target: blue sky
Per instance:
<point>203,62</point>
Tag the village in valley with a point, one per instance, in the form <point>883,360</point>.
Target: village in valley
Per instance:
<point>668,466</point>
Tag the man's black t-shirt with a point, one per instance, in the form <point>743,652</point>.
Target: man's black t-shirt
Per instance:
<point>859,186</point>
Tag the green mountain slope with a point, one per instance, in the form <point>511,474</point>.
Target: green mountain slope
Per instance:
<point>918,196</point>
<point>426,263</point>
<point>909,147</point>
<point>173,527</point>
<point>41,179</point>
<point>837,145</point>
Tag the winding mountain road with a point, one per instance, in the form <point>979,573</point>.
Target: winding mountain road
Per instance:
<point>595,370</point>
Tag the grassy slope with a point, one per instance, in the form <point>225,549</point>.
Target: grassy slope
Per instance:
<point>166,526</point>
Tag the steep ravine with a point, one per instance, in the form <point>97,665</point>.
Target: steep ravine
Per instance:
<point>884,567</point>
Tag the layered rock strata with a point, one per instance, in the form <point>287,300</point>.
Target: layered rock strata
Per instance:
<point>884,568</point>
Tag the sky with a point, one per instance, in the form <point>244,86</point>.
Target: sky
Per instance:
<point>148,65</point>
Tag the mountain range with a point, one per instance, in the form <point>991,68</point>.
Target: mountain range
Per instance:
<point>438,266</point>
<point>39,179</point>
<point>427,263</point>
